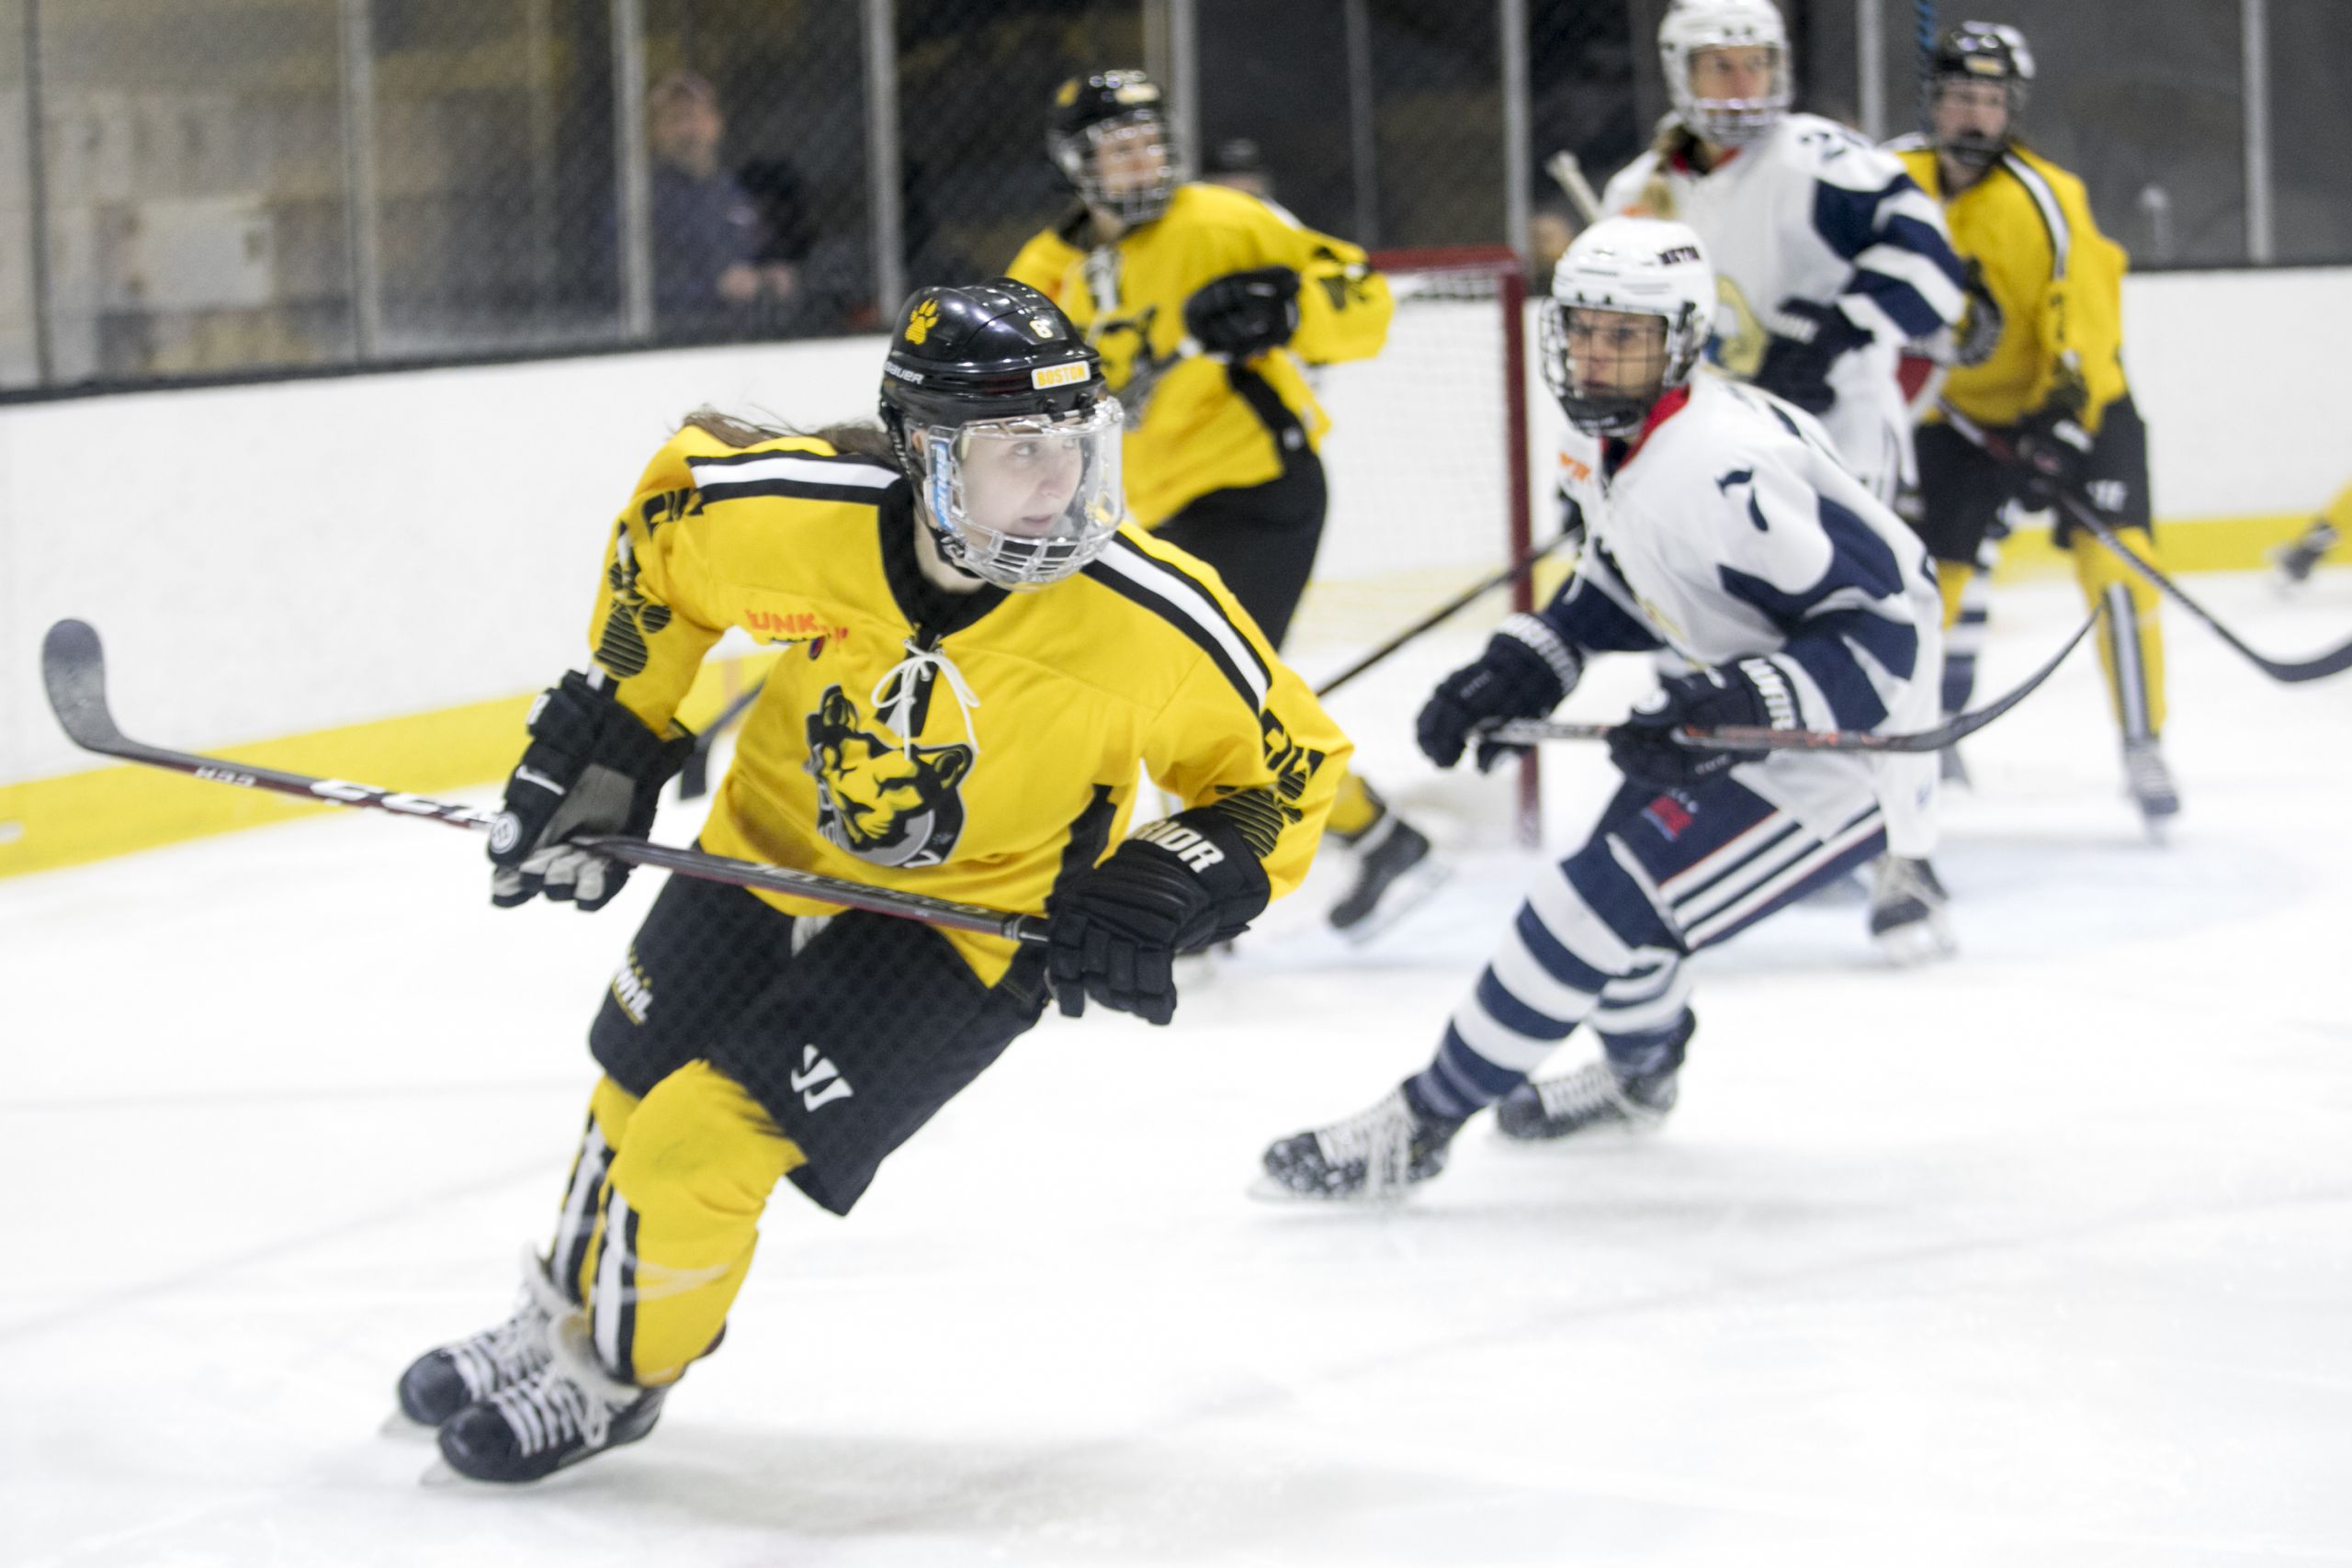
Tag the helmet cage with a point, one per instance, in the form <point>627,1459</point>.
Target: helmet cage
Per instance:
<point>1980,51</point>
<point>943,468</point>
<point>1690,29</point>
<point>1610,412</point>
<point>1078,155</point>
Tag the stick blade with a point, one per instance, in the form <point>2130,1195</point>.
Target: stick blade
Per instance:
<point>73,668</point>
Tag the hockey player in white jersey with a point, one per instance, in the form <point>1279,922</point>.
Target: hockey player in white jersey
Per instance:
<point>1721,529</point>
<point>1827,256</point>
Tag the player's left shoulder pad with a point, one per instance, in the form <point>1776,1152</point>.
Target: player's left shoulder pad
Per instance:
<point>1836,156</point>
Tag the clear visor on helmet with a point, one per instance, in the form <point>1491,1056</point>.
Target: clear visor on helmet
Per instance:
<point>1023,501</point>
<point>1126,167</point>
<point>1606,367</point>
<point>1735,92</point>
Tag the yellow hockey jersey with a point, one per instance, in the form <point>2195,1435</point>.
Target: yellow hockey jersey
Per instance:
<point>1195,425</point>
<point>2055,282</point>
<point>972,747</point>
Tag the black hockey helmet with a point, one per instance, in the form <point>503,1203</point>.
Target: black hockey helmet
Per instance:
<point>1980,51</point>
<point>1126,106</point>
<point>998,350</point>
<point>988,375</point>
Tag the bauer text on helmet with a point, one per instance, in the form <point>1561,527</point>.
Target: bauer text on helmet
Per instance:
<point>1000,418</point>
<point>1726,67</point>
<point>1632,304</point>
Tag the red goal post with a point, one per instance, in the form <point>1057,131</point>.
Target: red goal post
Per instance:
<point>1428,459</point>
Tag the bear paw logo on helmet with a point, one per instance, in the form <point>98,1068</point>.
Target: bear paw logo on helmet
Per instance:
<point>925,316</point>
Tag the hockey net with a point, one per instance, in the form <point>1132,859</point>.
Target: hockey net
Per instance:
<point>1429,464</point>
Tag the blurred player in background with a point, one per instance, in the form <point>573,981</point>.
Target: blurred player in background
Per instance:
<point>1828,256</point>
<point>1721,526</point>
<point>981,659</point>
<point>2326,531</point>
<point>1205,304</point>
<point>1828,259</point>
<point>1237,163</point>
<point>2037,408</point>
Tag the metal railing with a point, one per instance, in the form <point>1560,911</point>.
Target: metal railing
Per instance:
<point>206,188</point>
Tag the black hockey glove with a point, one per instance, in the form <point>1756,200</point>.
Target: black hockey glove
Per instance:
<point>1748,692</point>
<point>1180,885</point>
<point>2053,451</point>
<point>592,767</point>
<point>1244,313</point>
<point>1524,674</point>
<point>1798,368</point>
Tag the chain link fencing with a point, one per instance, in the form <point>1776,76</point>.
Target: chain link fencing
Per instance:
<point>214,188</point>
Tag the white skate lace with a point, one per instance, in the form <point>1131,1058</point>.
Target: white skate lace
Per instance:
<point>1901,881</point>
<point>1381,1137</point>
<point>2144,770</point>
<point>516,1348</point>
<point>504,1355</point>
<point>550,1409</point>
<point>1583,1095</point>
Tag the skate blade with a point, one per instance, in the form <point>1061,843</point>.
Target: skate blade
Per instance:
<point>438,1477</point>
<point>1411,889</point>
<point>399,1425</point>
<point>1921,942</point>
<point>1266,1190</point>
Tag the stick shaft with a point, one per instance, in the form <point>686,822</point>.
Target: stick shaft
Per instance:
<point>73,668</point>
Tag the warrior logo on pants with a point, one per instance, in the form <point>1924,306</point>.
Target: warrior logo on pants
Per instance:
<point>892,804</point>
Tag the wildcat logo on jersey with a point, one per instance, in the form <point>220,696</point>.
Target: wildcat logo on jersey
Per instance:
<point>1740,339</point>
<point>893,805</point>
<point>620,645</point>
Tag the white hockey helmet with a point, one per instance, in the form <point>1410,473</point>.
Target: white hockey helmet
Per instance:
<point>1645,266</point>
<point>1691,26</point>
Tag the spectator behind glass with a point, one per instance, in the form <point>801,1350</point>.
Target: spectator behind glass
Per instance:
<point>707,278</point>
<point>1239,163</point>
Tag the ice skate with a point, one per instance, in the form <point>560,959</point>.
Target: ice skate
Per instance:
<point>1375,1155</point>
<point>2149,783</point>
<point>568,1410</point>
<point>445,1380</point>
<point>1907,919</point>
<point>2296,560</point>
<point>1594,1096</point>
<point>1395,871</point>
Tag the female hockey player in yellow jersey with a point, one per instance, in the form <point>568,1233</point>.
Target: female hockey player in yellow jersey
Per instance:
<point>977,658</point>
<point>1204,301</point>
<point>2041,369</point>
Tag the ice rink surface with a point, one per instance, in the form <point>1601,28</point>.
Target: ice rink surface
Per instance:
<point>2043,1256</point>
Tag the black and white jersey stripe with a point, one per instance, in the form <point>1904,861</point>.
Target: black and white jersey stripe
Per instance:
<point>2053,217</point>
<point>802,475</point>
<point>1185,603</point>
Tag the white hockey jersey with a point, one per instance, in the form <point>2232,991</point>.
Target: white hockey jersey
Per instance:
<point>1814,212</point>
<point>1730,530</point>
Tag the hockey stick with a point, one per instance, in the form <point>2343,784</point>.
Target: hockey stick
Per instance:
<point>1568,174</point>
<point>2292,671</point>
<point>1759,738</point>
<point>694,779</point>
<point>1452,607</point>
<point>73,667</point>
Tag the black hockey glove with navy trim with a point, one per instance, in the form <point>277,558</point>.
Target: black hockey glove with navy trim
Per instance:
<point>1747,691</point>
<point>1244,313</point>
<point>592,767</point>
<point>1797,369</point>
<point>1183,883</point>
<point>1524,674</point>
